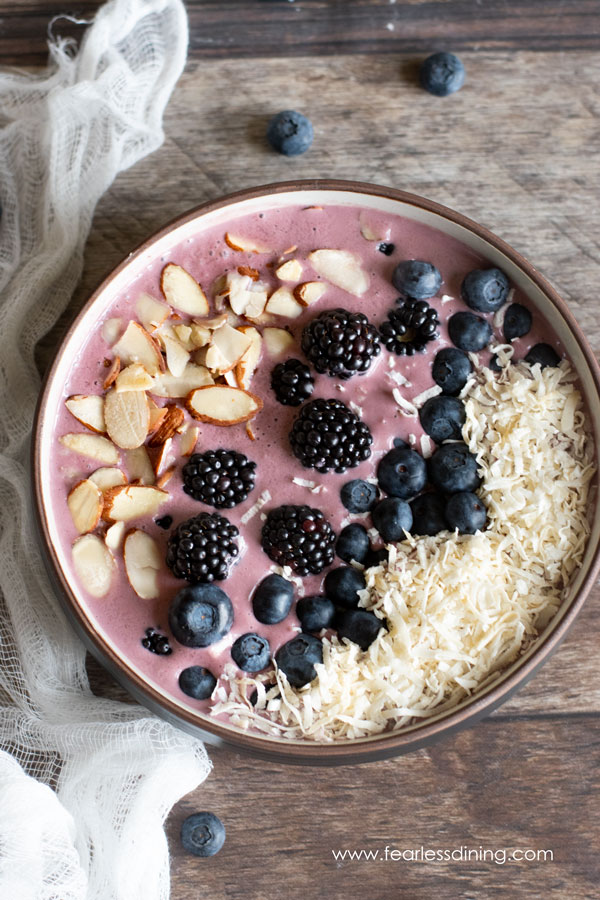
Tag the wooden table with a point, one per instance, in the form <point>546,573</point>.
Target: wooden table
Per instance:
<point>517,149</point>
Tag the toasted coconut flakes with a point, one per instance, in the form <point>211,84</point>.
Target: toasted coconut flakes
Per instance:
<point>420,399</point>
<point>356,409</point>
<point>398,378</point>
<point>446,298</point>
<point>412,439</point>
<point>304,482</point>
<point>459,608</point>
<point>250,513</point>
<point>426,447</point>
<point>406,407</point>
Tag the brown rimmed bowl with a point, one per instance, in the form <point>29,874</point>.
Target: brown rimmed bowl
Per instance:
<point>540,295</point>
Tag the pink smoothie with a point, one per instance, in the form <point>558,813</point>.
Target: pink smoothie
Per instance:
<point>122,615</point>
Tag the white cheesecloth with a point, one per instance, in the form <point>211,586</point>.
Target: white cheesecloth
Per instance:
<point>115,770</point>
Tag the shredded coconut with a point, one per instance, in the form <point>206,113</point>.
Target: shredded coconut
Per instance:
<point>407,408</point>
<point>458,608</point>
<point>250,513</point>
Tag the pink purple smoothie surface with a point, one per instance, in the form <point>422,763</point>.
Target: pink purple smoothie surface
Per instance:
<point>122,615</point>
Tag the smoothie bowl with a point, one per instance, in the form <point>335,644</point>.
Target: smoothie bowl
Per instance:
<point>315,471</point>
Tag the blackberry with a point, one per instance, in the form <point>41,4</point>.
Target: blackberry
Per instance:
<point>219,478</point>
<point>410,327</point>
<point>156,642</point>
<point>327,435</point>
<point>340,343</point>
<point>299,537</point>
<point>202,548</point>
<point>292,382</point>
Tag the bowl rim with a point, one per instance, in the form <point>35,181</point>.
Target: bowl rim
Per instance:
<point>378,746</point>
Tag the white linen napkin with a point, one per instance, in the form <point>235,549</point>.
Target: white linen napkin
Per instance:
<point>86,783</point>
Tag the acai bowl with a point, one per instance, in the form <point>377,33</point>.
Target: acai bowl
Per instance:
<point>314,470</point>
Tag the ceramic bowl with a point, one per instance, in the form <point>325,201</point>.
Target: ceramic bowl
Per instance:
<point>541,297</point>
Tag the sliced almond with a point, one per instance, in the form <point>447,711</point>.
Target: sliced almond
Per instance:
<point>277,341</point>
<point>227,347</point>
<point>127,417</point>
<point>188,440</point>
<point>182,291</point>
<point>372,231</point>
<point>213,322</point>
<point>139,467</point>
<point>94,564</point>
<point>250,432</point>
<point>177,356</point>
<point>200,335</point>
<point>290,270</point>
<point>111,329</point>
<point>282,303</point>
<point>183,333</point>
<point>247,365</point>
<point>142,563</point>
<point>245,245</point>
<point>133,378</point>
<point>137,346</point>
<point>246,297</point>
<point>220,404</point>
<point>89,410</point>
<point>230,378</point>
<point>254,274</point>
<point>92,445</point>
<point>113,373</point>
<point>193,376</point>
<point>151,312</point>
<point>85,505</point>
<point>309,292</point>
<point>132,501</point>
<point>108,477</point>
<point>165,477</point>
<point>157,416</point>
<point>342,268</point>
<point>114,536</point>
<point>160,457</point>
<point>170,424</point>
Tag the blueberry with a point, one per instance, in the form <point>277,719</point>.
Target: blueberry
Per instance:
<point>402,473</point>
<point>494,364</point>
<point>353,543</point>
<point>442,418</point>
<point>376,557</point>
<point>453,468</point>
<point>359,626</point>
<point>428,514</point>
<point>386,248</point>
<point>197,682</point>
<point>343,584</point>
<point>392,517</point>
<point>203,834</point>
<point>297,659</point>
<point>315,612</point>
<point>469,332</point>
<point>417,279</point>
<point>359,496</point>
<point>442,74</point>
<point>399,442</point>
<point>272,599</point>
<point>517,322</point>
<point>451,369</point>
<point>251,652</point>
<point>543,354</point>
<point>466,512</point>
<point>200,615</point>
<point>485,290</point>
<point>290,133</point>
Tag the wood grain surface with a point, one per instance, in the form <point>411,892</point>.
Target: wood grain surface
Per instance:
<point>517,149</point>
